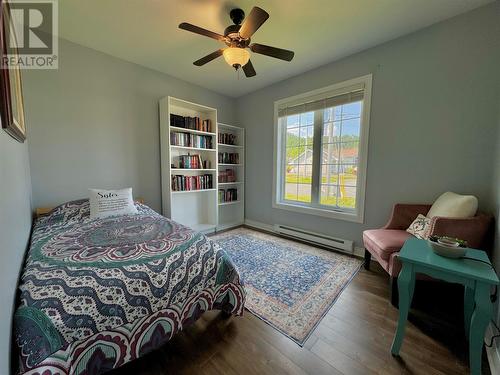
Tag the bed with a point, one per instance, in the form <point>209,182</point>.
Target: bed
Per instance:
<point>98,293</point>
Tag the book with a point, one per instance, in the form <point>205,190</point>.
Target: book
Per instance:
<point>228,195</point>
<point>190,183</point>
<point>193,123</point>
<point>191,140</point>
<point>226,138</point>
<point>229,158</point>
<point>227,176</point>
<point>193,162</point>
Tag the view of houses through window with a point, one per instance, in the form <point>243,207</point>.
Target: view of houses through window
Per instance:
<point>340,129</point>
<point>299,156</point>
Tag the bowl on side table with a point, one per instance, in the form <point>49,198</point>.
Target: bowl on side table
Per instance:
<point>447,247</point>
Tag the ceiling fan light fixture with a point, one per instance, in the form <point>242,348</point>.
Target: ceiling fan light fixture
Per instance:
<point>237,38</point>
<point>236,56</point>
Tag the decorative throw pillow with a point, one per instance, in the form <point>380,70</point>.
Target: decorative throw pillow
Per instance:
<point>420,227</point>
<point>453,205</point>
<point>104,203</point>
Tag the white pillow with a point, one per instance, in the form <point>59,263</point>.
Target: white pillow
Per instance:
<point>453,205</point>
<point>105,203</point>
<point>420,227</point>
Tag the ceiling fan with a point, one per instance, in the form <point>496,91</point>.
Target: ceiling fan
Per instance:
<point>237,39</point>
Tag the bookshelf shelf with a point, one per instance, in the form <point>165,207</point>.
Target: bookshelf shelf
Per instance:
<point>185,130</point>
<point>228,203</point>
<point>230,183</point>
<point>192,191</point>
<point>200,209</point>
<point>229,146</point>
<point>192,170</point>
<point>194,148</point>
<point>222,126</point>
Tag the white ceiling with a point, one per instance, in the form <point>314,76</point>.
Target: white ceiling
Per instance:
<point>319,31</point>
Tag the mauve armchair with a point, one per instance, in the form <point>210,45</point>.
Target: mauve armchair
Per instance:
<point>385,243</point>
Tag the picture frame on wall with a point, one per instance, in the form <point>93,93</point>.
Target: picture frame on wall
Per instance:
<point>11,92</point>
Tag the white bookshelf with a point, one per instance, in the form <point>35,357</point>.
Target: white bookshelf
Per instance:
<point>200,209</point>
<point>232,213</point>
<point>197,209</point>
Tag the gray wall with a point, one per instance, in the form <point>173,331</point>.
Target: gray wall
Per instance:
<point>432,129</point>
<point>94,123</point>
<point>496,196</point>
<point>496,193</point>
<point>15,225</point>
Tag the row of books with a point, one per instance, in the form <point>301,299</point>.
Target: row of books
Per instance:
<point>190,140</point>
<point>227,176</point>
<point>228,195</point>
<point>193,123</point>
<point>193,162</point>
<point>226,138</point>
<point>229,158</point>
<point>187,183</point>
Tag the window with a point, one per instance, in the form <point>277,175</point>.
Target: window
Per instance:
<point>321,140</point>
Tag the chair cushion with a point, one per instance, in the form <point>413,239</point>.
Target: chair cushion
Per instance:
<point>384,242</point>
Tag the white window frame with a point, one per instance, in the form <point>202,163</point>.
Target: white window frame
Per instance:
<point>356,215</point>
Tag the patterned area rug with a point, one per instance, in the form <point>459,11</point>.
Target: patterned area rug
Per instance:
<point>289,285</point>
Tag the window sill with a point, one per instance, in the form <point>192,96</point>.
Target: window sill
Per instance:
<point>352,217</point>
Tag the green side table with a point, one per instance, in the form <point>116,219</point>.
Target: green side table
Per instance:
<point>478,278</point>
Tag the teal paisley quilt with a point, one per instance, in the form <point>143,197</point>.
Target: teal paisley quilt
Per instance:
<point>95,294</point>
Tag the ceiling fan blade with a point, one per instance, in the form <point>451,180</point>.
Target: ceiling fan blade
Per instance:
<point>253,21</point>
<point>201,31</point>
<point>248,69</point>
<point>208,58</point>
<point>278,53</point>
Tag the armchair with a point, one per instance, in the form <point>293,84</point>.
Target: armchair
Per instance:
<point>385,243</point>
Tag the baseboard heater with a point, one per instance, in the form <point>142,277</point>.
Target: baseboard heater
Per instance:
<point>345,246</point>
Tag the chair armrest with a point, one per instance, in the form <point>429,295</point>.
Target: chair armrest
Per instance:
<point>403,215</point>
<point>474,229</point>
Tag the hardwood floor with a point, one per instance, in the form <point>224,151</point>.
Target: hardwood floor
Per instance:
<point>353,338</point>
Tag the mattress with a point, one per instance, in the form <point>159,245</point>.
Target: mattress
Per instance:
<point>98,293</point>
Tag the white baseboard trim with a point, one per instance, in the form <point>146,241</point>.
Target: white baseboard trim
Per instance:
<point>229,226</point>
<point>358,251</point>
<point>492,353</point>
<point>259,225</point>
